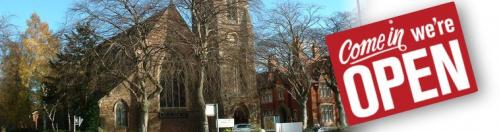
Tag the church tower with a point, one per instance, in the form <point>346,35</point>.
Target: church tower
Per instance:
<point>238,96</point>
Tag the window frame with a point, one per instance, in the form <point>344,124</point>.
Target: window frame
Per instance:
<point>121,114</point>
<point>327,112</point>
<point>281,92</point>
<point>231,16</point>
<point>324,90</point>
<point>164,104</point>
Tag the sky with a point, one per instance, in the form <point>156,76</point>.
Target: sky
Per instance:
<point>54,11</point>
<point>51,11</point>
<point>327,7</point>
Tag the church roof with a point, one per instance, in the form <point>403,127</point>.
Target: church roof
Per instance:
<point>167,26</point>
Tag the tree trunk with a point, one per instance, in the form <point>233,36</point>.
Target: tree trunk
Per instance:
<point>44,127</point>
<point>202,117</point>
<point>51,118</point>
<point>200,102</point>
<point>69,121</point>
<point>303,113</point>
<point>52,123</point>
<point>342,123</point>
<point>143,115</point>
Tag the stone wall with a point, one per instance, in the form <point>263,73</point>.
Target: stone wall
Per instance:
<point>121,93</point>
<point>107,109</point>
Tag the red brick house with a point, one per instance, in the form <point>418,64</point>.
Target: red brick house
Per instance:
<point>277,102</point>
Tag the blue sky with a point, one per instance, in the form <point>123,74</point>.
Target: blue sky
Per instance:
<point>50,11</point>
<point>327,7</point>
<point>54,11</point>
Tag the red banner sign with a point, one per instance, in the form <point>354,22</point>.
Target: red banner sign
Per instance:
<point>401,63</point>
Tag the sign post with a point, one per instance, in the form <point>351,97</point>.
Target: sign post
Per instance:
<point>216,117</point>
<point>213,110</point>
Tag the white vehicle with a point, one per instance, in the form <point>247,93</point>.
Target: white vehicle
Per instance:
<point>326,129</point>
<point>289,127</point>
<point>242,128</point>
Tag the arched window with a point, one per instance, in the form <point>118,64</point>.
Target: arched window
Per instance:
<point>174,94</point>
<point>232,10</point>
<point>121,119</point>
<point>236,80</point>
<point>232,39</point>
<point>232,52</point>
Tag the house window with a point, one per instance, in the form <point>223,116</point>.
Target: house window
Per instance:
<point>270,96</point>
<point>121,114</point>
<point>174,93</point>
<point>325,91</point>
<point>232,10</point>
<point>262,99</point>
<point>327,113</point>
<point>281,92</point>
<point>267,97</point>
<point>295,115</point>
<point>268,113</point>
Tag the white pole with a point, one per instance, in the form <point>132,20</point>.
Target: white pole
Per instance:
<point>217,117</point>
<point>74,123</point>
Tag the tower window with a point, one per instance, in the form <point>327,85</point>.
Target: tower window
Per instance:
<point>232,39</point>
<point>232,10</point>
<point>236,80</point>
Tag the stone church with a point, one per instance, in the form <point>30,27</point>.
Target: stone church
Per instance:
<point>232,82</point>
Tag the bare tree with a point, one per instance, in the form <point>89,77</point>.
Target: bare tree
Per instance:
<point>128,54</point>
<point>339,21</point>
<point>291,40</point>
<point>6,33</point>
<point>293,34</point>
<point>336,23</point>
<point>51,111</point>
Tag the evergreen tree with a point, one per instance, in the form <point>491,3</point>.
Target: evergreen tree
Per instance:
<point>80,50</point>
<point>73,73</point>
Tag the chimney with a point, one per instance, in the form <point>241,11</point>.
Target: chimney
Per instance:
<point>272,63</point>
<point>315,51</point>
